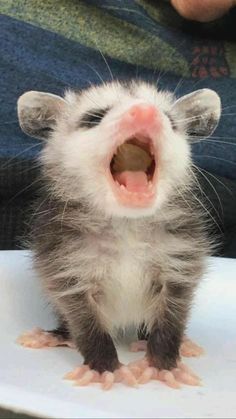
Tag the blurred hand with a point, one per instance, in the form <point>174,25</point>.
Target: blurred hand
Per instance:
<point>203,10</point>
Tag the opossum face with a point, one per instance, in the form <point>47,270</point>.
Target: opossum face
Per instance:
<point>121,148</point>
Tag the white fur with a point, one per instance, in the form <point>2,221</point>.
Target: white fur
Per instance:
<point>115,253</point>
<point>81,153</point>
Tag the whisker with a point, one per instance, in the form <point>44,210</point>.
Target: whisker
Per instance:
<point>192,118</point>
<point>222,138</point>
<point>228,114</point>
<point>228,107</point>
<point>88,122</point>
<point>181,80</point>
<point>205,209</point>
<point>9,122</point>
<point>23,190</point>
<point>17,155</point>
<point>96,72</point>
<point>37,212</point>
<point>84,93</point>
<point>63,213</point>
<point>215,158</point>
<point>104,59</point>
<point>214,142</point>
<point>217,195</point>
<point>182,196</point>
<point>199,117</point>
<point>219,181</point>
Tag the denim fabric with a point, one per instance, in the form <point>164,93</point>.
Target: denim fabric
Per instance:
<point>48,48</point>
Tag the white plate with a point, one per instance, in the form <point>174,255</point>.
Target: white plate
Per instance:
<point>31,380</point>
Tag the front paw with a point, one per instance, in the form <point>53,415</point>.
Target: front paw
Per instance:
<point>163,354</point>
<point>174,377</point>
<point>84,375</point>
<point>103,364</point>
<point>162,361</point>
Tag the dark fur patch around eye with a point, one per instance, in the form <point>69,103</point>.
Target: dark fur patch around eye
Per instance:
<point>92,118</point>
<point>172,121</point>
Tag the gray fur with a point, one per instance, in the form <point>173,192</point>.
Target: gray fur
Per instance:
<point>37,113</point>
<point>200,111</point>
<point>103,272</point>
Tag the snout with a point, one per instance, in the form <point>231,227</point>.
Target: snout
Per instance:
<point>142,116</point>
<point>134,162</point>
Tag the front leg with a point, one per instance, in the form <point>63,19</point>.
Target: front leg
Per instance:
<point>168,319</point>
<point>89,332</point>
<point>163,344</point>
<point>168,326</point>
<point>97,348</point>
<point>91,337</point>
<point>166,335</point>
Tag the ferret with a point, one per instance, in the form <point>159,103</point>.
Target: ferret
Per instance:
<point>119,238</point>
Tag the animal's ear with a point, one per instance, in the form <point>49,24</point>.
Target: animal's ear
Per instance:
<point>199,111</point>
<point>38,112</point>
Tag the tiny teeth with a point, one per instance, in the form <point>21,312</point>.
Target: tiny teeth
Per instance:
<point>123,188</point>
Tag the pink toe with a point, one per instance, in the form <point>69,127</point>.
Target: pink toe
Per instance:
<point>136,371</point>
<point>147,375</point>
<point>187,369</point>
<point>76,373</point>
<point>108,379</point>
<point>169,379</point>
<point>141,363</point>
<point>70,344</point>
<point>185,378</point>
<point>86,379</point>
<point>128,377</point>
<point>190,349</point>
<point>96,377</point>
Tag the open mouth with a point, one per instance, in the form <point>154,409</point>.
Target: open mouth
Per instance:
<point>133,169</point>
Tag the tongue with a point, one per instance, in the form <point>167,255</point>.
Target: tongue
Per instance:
<point>133,181</point>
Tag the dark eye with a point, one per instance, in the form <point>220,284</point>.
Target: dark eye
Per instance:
<point>172,121</point>
<point>92,118</point>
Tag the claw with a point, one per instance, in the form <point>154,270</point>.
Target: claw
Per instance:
<point>190,349</point>
<point>77,373</point>
<point>135,370</point>
<point>140,363</point>
<point>86,379</point>
<point>148,374</point>
<point>187,369</point>
<point>168,378</point>
<point>84,376</point>
<point>128,377</point>
<point>39,338</point>
<point>107,380</point>
<point>185,377</point>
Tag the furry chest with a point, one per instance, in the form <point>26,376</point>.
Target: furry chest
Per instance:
<point>126,288</point>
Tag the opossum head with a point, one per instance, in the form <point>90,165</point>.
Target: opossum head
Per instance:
<point>122,149</point>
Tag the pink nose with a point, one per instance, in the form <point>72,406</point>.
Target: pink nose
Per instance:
<point>142,115</point>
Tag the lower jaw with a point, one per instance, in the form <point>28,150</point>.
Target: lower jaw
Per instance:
<point>133,199</point>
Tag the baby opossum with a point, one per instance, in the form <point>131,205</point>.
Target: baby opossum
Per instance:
<point>118,236</point>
